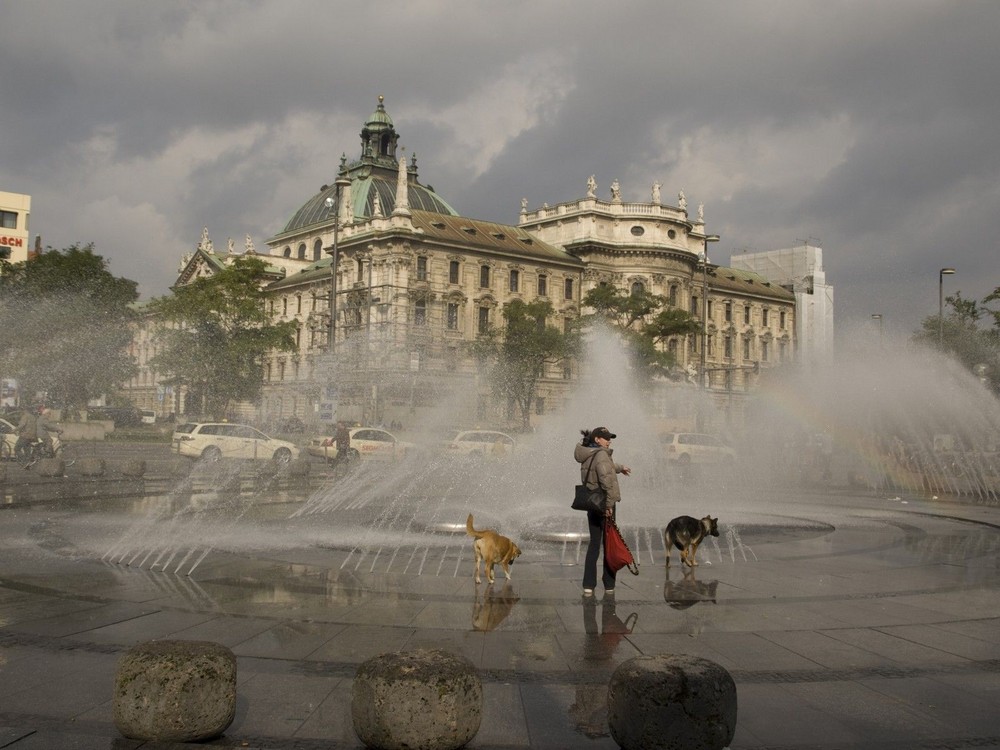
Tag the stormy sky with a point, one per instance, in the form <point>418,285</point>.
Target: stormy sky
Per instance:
<point>867,128</point>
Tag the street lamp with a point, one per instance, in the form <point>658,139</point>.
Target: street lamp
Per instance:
<point>878,317</point>
<point>334,205</point>
<point>941,274</point>
<point>704,308</point>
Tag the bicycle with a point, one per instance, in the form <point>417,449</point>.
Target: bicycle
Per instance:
<point>37,449</point>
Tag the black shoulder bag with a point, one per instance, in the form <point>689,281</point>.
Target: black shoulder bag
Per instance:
<point>586,498</point>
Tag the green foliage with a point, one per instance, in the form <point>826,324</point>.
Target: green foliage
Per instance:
<point>65,325</point>
<point>646,323</point>
<point>215,334</point>
<point>959,333</point>
<point>514,357</point>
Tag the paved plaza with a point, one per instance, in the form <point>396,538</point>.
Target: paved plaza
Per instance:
<point>872,623</point>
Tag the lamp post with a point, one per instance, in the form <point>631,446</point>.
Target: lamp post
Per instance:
<point>334,205</point>
<point>941,274</point>
<point>704,308</point>
<point>878,317</point>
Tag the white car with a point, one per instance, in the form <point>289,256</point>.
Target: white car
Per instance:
<point>8,433</point>
<point>480,443</point>
<point>215,440</point>
<point>696,448</point>
<point>366,442</point>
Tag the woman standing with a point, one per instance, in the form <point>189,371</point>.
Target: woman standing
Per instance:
<point>598,469</point>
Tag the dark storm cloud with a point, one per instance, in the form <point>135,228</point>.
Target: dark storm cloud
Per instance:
<point>865,127</point>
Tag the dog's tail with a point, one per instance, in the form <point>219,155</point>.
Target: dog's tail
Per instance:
<point>469,530</point>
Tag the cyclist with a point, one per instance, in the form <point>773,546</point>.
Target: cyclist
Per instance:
<point>27,431</point>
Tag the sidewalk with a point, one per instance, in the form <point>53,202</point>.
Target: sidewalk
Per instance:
<point>881,633</point>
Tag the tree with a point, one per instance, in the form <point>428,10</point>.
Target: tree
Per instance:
<point>214,335</point>
<point>959,334</point>
<point>65,325</point>
<point>646,323</point>
<point>515,357</point>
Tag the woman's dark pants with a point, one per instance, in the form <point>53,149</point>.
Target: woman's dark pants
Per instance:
<point>595,521</point>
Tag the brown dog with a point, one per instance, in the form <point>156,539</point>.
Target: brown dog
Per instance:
<point>686,533</point>
<point>492,548</point>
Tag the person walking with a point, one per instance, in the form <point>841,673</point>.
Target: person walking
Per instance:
<point>598,470</point>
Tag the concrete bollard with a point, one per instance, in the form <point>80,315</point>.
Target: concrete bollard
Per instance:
<point>671,702</point>
<point>50,467</point>
<point>175,691</point>
<point>428,699</point>
<point>91,467</point>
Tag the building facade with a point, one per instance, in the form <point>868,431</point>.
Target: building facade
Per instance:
<point>15,230</point>
<point>414,283</point>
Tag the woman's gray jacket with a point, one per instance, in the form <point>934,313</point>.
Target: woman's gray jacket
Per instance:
<point>601,472</point>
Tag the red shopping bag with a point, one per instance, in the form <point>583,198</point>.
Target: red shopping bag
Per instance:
<point>617,555</point>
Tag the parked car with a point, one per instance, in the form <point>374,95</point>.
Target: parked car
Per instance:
<point>479,443</point>
<point>215,440</point>
<point>8,433</point>
<point>696,448</point>
<point>367,442</point>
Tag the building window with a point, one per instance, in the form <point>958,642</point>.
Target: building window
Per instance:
<point>567,372</point>
<point>298,337</point>
<point>746,315</point>
<point>782,351</point>
<point>484,277</point>
<point>8,219</point>
<point>284,305</point>
<point>711,309</point>
<point>781,320</point>
<point>539,405</point>
<point>765,348</point>
<point>727,343</point>
<point>543,285</point>
<point>672,295</point>
<point>764,317</point>
<point>421,268</point>
<point>318,250</point>
<point>746,348</point>
<point>452,316</point>
<point>484,318</point>
<point>281,371</point>
<point>695,310</point>
<point>361,270</point>
<point>298,304</point>
<point>568,289</point>
<point>515,279</point>
<point>302,251</point>
<point>637,288</point>
<point>420,313</point>
<point>729,312</point>
<point>453,272</point>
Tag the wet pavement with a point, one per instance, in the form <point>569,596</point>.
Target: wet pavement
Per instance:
<point>871,622</point>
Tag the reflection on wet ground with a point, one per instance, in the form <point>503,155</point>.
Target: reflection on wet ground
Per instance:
<point>848,622</point>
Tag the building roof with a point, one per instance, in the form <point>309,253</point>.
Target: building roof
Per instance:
<point>725,279</point>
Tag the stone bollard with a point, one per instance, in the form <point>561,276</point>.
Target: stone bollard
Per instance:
<point>91,467</point>
<point>428,699</point>
<point>175,691</point>
<point>50,467</point>
<point>671,702</point>
<point>134,468</point>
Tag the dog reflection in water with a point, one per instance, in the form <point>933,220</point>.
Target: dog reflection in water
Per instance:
<point>492,549</point>
<point>688,591</point>
<point>493,607</point>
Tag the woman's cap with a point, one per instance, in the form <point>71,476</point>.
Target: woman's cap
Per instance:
<point>602,432</point>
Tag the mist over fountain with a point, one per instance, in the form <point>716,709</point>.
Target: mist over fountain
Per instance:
<point>879,424</point>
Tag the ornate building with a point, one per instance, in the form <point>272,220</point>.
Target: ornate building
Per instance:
<point>414,281</point>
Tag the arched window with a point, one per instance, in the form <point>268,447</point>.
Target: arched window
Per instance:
<point>638,288</point>
<point>302,251</point>
<point>484,277</point>
<point>515,280</point>
<point>288,252</point>
<point>672,295</point>
<point>318,250</point>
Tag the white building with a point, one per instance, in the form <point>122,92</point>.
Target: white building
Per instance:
<point>800,270</point>
<point>15,210</point>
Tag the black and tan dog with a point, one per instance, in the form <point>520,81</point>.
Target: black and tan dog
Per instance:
<point>492,548</point>
<point>686,533</point>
